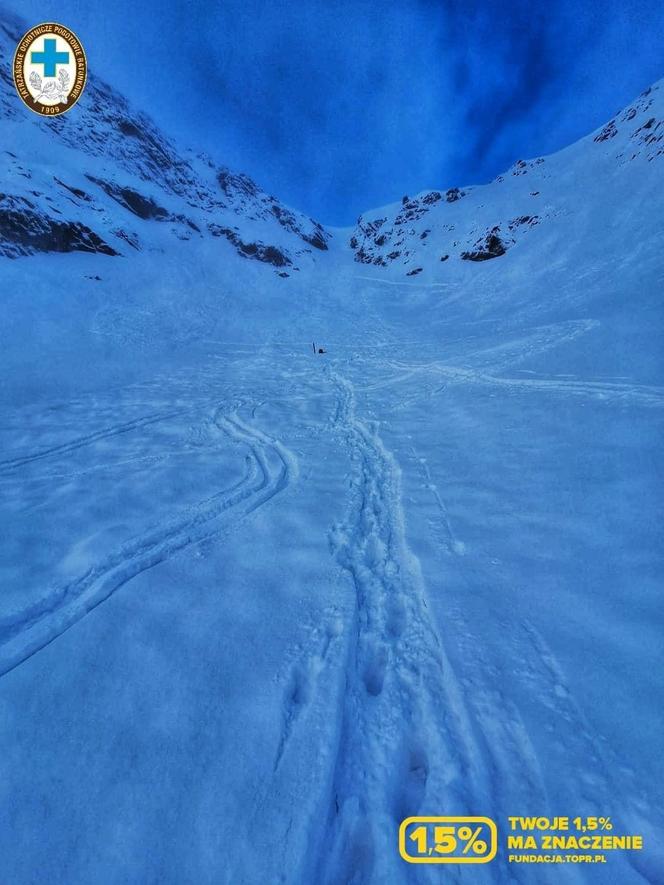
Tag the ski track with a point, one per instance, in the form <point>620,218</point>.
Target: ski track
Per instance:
<point>484,364</point>
<point>613,393</point>
<point>71,446</point>
<point>270,468</point>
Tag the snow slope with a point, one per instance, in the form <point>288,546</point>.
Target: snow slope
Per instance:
<point>260,605</point>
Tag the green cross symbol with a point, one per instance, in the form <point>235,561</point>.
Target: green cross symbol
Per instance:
<point>49,58</point>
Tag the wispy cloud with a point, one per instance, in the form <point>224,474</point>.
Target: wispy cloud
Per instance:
<point>342,106</point>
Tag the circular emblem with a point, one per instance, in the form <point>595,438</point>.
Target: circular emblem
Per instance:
<point>50,69</point>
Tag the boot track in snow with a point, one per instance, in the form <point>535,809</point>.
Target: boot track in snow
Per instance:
<point>404,735</point>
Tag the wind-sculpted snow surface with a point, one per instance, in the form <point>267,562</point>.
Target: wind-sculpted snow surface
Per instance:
<point>269,469</point>
<point>387,637</point>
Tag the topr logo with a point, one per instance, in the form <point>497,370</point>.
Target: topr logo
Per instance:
<point>50,69</point>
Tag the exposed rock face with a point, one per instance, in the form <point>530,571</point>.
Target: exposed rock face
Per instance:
<point>316,236</point>
<point>259,251</point>
<point>144,207</point>
<point>647,139</point>
<point>245,197</point>
<point>609,131</point>
<point>24,230</point>
<point>491,247</point>
<point>381,241</point>
<point>76,191</point>
<point>454,194</point>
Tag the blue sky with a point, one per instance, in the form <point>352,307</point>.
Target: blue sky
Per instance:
<point>338,106</point>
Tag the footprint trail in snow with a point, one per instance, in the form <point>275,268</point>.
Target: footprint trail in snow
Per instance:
<point>405,740</point>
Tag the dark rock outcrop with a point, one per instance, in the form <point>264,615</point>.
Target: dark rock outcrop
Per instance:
<point>145,207</point>
<point>491,247</point>
<point>26,229</point>
<point>609,131</point>
<point>259,251</point>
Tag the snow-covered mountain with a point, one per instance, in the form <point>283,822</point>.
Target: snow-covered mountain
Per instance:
<point>107,180</point>
<point>593,205</point>
<point>576,186</point>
